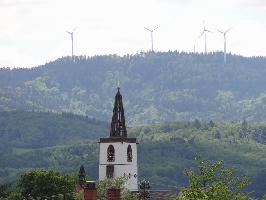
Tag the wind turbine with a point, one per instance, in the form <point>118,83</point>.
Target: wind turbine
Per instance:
<point>151,31</point>
<point>71,35</point>
<point>204,32</point>
<point>224,34</point>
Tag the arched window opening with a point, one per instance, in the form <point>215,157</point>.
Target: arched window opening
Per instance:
<point>111,153</point>
<point>110,171</point>
<point>129,153</point>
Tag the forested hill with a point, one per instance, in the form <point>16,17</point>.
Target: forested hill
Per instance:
<point>31,140</point>
<point>155,86</point>
<point>31,130</point>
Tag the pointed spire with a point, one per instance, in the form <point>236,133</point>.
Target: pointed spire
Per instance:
<point>82,174</point>
<point>118,125</point>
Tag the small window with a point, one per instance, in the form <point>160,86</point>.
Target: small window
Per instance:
<point>129,153</point>
<point>111,154</point>
<point>110,171</point>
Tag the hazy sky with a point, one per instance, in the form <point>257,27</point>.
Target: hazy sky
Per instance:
<point>33,32</point>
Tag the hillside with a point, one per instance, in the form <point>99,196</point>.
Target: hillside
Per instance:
<point>156,86</point>
<point>20,129</point>
<point>164,152</point>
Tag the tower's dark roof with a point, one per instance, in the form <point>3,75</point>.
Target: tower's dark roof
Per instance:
<point>118,124</point>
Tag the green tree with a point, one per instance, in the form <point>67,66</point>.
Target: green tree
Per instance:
<point>197,124</point>
<point>214,182</point>
<point>5,189</point>
<point>14,195</point>
<point>244,125</point>
<point>211,124</point>
<point>45,183</point>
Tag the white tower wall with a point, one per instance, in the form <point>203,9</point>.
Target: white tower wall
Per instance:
<point>122,168</point>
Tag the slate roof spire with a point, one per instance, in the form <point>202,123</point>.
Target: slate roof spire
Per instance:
<point>118,125</point>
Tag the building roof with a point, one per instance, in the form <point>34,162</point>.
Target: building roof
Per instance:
<point>162,194</point>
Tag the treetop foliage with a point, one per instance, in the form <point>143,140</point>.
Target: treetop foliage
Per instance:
<point>214,182</point>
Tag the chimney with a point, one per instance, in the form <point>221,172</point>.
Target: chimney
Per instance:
<point>113,194</point>
<point>90,192</point>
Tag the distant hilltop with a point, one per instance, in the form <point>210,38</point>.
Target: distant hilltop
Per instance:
<point>157,86</point>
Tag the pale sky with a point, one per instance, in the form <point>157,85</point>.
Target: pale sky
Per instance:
<point>33,32</point>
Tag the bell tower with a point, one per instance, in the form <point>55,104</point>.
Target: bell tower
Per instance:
<point>118,153</point>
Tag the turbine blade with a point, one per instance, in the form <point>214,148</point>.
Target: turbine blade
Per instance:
<point>220,31</point>
<point>148,29</point>
<point>202,33</point>
<point>155,28</point>
<point>228,30</point>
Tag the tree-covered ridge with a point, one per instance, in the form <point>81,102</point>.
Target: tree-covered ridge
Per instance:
<point>155,86</point>
<point>164,150</point>
<point>41,139</point>
<point>20,129</point>
<point>175,145</point>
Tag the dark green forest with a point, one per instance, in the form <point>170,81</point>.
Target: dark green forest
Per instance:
<point>65,141</point>
<point>29,139</point>
<point>180,106</point>
<point>156,87</point>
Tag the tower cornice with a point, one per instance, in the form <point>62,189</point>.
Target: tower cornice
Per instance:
<point>118,139</point>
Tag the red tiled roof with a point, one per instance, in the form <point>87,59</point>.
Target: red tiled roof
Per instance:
<point>163,194</point>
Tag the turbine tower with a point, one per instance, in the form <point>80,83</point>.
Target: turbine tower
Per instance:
<point>224,34</point>
<point>71,33</point>
<point>204,32</point>
<point>151,31</point>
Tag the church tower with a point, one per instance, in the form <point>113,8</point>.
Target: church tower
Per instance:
<point>118,153</point>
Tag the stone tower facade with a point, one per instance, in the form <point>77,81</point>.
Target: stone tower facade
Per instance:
<point>118,153</point>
